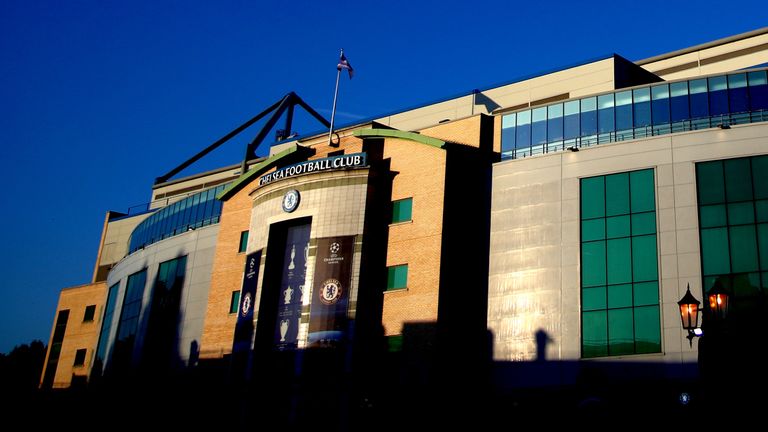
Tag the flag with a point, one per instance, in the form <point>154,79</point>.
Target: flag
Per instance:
<point>344,64</point>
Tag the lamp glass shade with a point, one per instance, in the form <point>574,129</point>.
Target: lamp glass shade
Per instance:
<point>689,310</point>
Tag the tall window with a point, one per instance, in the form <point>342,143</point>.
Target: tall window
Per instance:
<point>733,225</point>
<point>619,270</point>
<point>234,302</point>
<point>402,210</point>
<point>397,277</point>
<point>243,242</point>
<point>106,324</point>
<point>129,319</point>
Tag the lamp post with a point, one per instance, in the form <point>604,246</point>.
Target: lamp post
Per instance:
<point>718,300</point>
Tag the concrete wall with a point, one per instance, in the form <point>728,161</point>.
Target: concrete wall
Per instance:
<point>198,246</point>
<point>535,241</point>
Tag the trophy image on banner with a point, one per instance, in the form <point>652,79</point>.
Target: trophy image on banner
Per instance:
<point>291,266</point>
<point>287,294</point>
<point>283,329</point>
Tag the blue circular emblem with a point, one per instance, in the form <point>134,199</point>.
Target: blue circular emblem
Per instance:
<point>291,200</point>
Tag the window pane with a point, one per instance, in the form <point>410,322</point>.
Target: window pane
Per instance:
<point>605,113</point>
<point>642,107</point>
<point>642,190</point>
<point>710,183</point>
<point>571,119</point>
<point>762,240</point>
<point>593,229</point>
<point>619,261</point>
<point>758,90</point>
<point>738,179</point>
<point>617,194</point>
<point>593,263</point>
<point>397,277</point>
<point>760,174</point>
<point>644,263</point>
<point>588,116</point>
<point>593,298</point>
<point>594,334</point>
<point>712,216</point>
<point>644,223</point>
<point>234,302</point>
<point>617,226</point>
<point>699,98</point>
<point>620,296</point>
<point>741,213</point>
<point>679,101</point>
<point>508,134</point>
<point>660,104</point>
<point>714,251</point>
<point>555,123</point>
<point>737,93</point>
<point>743,248</point>
<point>523,138</point>
<point>243,241</point>
<point>592,197</point>
<point>646,293</point>
<point>402,210</point>
<point>621,337</point>
<point>539,126</point>
<point>647,330</point>
<point>623,110</point>
<point>718,95</point>
<point>761,208</point>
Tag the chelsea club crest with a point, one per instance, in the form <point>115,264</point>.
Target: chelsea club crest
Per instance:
<point>330,292</point>
<point>291,200</point>
<point>246,306</point>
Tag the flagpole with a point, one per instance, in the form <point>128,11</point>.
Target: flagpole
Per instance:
<point>335,96</point>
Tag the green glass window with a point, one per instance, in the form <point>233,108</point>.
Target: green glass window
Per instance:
<point>234,302</point>
<point>243,242</point>
<point>397,277</point>
<point>402,210</point>
<point>619,265</point>
<point>734,233</point>
<point>395,343</point>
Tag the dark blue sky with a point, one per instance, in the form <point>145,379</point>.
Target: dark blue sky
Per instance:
<point>97,98</point>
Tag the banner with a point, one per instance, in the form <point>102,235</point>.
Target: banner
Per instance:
<point>291,287</point>
<point>330,293</point>
<point>244,326</point>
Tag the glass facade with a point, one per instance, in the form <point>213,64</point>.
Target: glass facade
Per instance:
<point>623,115</point>
<point>195,211</point>
<point>397,277</point>
<point>129,318</point>
<point>619,265</point>
<point>733,228</point>
<point>402,210</point>
<point>106,323</point>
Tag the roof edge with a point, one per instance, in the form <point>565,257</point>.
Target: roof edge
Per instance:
<point>394,133</point>
<point>704,46</point>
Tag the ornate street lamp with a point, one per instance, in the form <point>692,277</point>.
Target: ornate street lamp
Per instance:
<point>689,313</point>
<point>719,300</point>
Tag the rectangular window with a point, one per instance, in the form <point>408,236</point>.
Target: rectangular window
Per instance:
<point>402,210</point>
<point>234,302</point>
<point>90,312</point>
<point>619,270</point>
<point>243,242</point>
<point>397,277</point>
<point>732,230</point>
<point>80,357</point>
<point>106,325</point>
<point>128,325</point>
